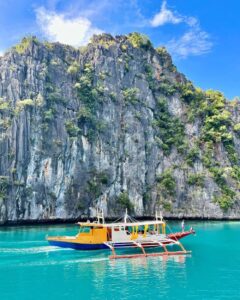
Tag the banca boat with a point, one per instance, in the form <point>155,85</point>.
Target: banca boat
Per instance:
<point>124,235</point>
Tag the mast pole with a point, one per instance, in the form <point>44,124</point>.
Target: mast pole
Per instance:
<point>125,216</point>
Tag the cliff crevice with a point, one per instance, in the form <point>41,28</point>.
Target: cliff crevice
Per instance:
<point>112,125</point>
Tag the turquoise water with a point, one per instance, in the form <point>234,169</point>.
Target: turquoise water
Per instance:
<point>30,269</point>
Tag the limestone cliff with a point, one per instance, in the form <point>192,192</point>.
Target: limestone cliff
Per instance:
<point>112,125</point>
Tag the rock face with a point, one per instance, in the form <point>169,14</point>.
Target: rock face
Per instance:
<point>112,125</point>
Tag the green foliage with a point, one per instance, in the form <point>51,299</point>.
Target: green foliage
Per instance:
<point>139,40</point>
<point>25,43</point>
<point>124,47</point>
<point>217,119</point>
<point>219,176</point>
<point>97,183</point>
<point>19,183</point>
<point>187,92</point>
<point>72,129</point>
<point>162,51</point>
<point>208,154</point>
<point>4,181</point>
<point>54,96</point>
<point>215,128</point>
<point>235,173</point>
<point>22,104</point>
<point>85,88</point>
<point>124,201</point>
<point>195,98</point>
<point>104,40</point>
<point>226,200</point>
<point>166,184</point>
<point>39,100</point>
<point>25,102</point>
<point>4,106</point>
<point>170,129</point>
<point>4,184</point>
<point>167,88</point>
<point>192,156</point>
<point>146,197</point>
<point>99,91</point>
<point>130,95</point>
<point>55,62</point>
<point>73,69</point>
<point>196,179</point>
<point>138,115</point>
<point>150,76</point>
<point>166,59</point>
<point>5,123</point>
<point>84,115</point>
<point>53,93</point>
<point>167,206</point>
<point>103,178</point>
<point>232,154</point>
<point>91,97</point>
<point>94,188</point>
<point>113,96</point>
<point>126,67</point>
<point>48,45</point>
<point>49,114</point>
<point>102,75</point>
<point>217,124</point>
<point>236,128</point>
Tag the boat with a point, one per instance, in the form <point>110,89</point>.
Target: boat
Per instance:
<point>128,234</point>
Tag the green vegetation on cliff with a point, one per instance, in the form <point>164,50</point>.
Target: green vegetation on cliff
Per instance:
<point>170,129</point>
<point>119,107</point>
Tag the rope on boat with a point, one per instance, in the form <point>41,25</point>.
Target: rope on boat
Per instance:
<point>170,229</point>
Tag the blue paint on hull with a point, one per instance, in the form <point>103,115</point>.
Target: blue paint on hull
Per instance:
<point>78,246</point>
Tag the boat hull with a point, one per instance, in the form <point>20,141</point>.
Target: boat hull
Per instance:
<point>179,235</point>
<point>78,246</point>
<point>99,246</point>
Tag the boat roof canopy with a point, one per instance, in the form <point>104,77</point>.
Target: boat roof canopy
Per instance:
<point>132,224</point>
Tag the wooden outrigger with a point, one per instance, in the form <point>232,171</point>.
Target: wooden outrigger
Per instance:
<point>129,234</point>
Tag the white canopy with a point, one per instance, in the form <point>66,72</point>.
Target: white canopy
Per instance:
<point>130,224</point>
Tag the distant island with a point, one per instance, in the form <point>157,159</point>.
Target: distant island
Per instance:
<point>112,125</point>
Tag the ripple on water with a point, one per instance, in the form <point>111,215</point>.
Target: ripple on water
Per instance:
<point>32,250</point>
<point>28,264</point>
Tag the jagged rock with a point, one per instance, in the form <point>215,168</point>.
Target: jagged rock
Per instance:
<point>80,127</point>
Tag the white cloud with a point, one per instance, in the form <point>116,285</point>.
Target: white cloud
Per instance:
<point>58,27</point>
<point>165,16</point>
<point>193,42</point>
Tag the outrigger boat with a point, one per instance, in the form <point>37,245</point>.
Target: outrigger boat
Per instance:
<point>124,235</point>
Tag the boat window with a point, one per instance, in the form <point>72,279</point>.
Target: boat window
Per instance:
<point>84,229</point>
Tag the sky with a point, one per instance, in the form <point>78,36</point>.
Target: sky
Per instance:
<point>203,36</point>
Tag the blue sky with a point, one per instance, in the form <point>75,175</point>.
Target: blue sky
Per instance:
<point>203,36</point>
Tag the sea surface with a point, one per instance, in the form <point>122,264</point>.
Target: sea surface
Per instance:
<point>31,269</point>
